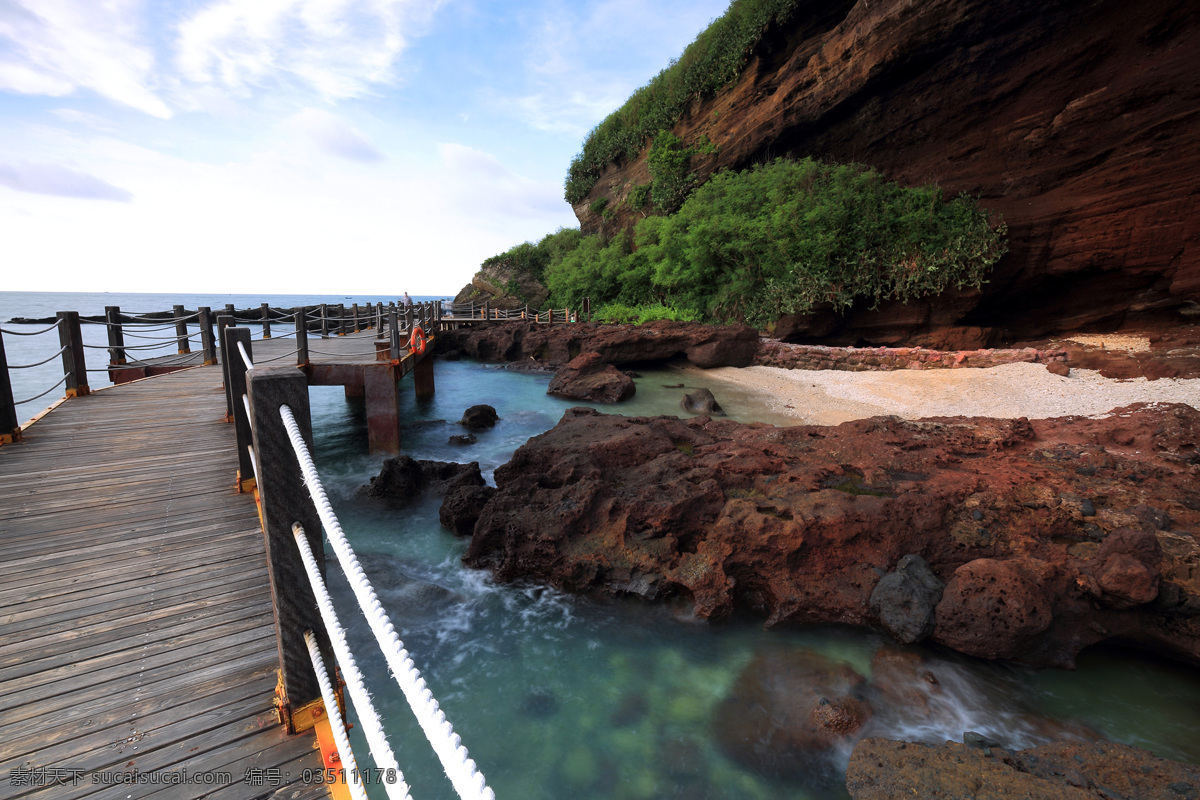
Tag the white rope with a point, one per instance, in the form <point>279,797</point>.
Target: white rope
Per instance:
<point>336,724</point>
<point>468,781</point>
<point>253,461</point>
<point>245,356</point>
<point>38,364</point>
<point>381,751</point>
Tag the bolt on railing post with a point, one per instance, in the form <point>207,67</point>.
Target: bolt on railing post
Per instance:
<point>284,500</point>
<point>116,336</point>
<point>301,339</point>
<point>181,334</point>
<point>208,342</point>
<point>10,428</point>
<point>71,337</point>
<point>234,368</point>
<point>324,321</point>
<point>266,321</point>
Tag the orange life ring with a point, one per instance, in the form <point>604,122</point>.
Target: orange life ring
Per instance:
<point>416,342</point>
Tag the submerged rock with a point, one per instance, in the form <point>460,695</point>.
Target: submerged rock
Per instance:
<point>882,769</point>
<point>588,377</point>
<point>788,711</point>
<point>408,600</point>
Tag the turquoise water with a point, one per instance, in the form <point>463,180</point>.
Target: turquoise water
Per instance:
<point>558,696</point>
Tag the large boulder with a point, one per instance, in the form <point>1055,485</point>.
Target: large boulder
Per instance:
<point>588,377</point>
<point>462,506</point>
<point>479,417</point>
<point>701,401</point>
<point>1050,535</point>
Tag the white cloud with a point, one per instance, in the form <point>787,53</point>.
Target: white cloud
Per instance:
<point>53,179</point>
<point>479,183</point>
<point>57,47</point>
<point>339,48</point>
<point>335,137</point>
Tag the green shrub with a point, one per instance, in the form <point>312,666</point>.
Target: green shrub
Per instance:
<point>639,196</point>
<point>636,315</point>
<point>716,57</point>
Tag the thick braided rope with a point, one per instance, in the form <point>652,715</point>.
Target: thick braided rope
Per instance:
<point>468,781</point>
<point>336,724</point>
<point>381,751</point>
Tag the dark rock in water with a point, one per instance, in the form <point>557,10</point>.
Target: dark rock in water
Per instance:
<point>905,598</point>
<point>451,355</point>
<point>532,367</point>
<point>631,373</point>
<point>404,479</point>
<point>787,713</point>
<point>974,739</point>
<point>463,439</point>
<point>462,506</point>
<point>587,377</point>
<point>701,401</point>
<point>881,769</point>
<point>672,386</point>
<point>478,418</point>
<point>408,600</point>
<point>539,704</point>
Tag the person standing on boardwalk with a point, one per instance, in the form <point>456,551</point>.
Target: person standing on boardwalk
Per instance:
<point>407,300</point>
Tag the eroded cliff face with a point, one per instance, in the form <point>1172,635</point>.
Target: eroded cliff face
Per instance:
<point>1078,123</point>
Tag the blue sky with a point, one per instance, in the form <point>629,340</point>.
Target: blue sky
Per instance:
<point>304,146</point>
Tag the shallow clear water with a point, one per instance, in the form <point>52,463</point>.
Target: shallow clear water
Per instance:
<point>557,696</point>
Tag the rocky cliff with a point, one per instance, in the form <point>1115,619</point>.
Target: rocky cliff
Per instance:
<point>1079,124</point>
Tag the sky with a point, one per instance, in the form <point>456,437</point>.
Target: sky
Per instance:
<point>302,146</point>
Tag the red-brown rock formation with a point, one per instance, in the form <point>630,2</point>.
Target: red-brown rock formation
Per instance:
<point>1049,535</point>
<point>1079,125</point>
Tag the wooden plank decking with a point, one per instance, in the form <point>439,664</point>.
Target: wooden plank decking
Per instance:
<point>136,630</point>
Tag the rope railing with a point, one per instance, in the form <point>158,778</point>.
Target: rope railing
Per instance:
<point>43,394</point>
<point>43,361</point>
<point>336,724</point>
<point>7,332</point>
<point>462,771</point>
<point>372,725</point>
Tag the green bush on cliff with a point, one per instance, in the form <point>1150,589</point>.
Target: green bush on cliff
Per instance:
<point>715,58</point>
<point>532,259</point>
<point>636,315</point>
<point>781,238</point>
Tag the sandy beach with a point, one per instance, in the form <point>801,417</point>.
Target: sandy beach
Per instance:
<point>830,397</point>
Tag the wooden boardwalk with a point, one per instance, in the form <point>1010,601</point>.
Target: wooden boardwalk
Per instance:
<point>136,630</point>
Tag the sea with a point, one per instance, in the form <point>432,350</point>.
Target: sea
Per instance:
<point>562,696</point>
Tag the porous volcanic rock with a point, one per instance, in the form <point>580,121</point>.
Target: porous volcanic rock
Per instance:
<point>882,769</point>
<point>588,377</point>
<point>404,479</point>
<point>702,345</point>
<point>1078,128</point>
<point>462,506</point>
<point>799,524</point>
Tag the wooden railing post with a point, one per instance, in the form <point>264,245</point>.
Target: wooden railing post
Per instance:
<point>587,308</point>
<point>181,334</point>
<point>208,342</point>
<point>301,339</point>
<point>324,321</point>
<point>229,355</point>
<point>116,335</point>
<point>230,310</point>
<point>266,321</point>
<point>74,366</point>
<point>10,428</point>
<point>283,501</point>
<point>354,314</point>
<point>234,368</point>
<point>485,310</point>
<point>393,322</point>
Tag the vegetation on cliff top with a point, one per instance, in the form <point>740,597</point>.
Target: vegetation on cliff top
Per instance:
<point>776,239</point>
<point>716,57</point>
